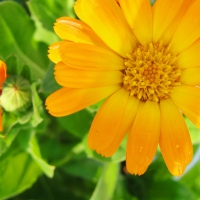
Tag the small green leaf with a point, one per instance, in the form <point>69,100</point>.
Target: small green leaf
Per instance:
<point>26,72</point>
<point>107,182</point>
<point>37,105</point>
<point>12,65</point>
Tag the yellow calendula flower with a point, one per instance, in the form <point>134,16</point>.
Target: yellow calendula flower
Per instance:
<point>145,59</point>
<point>3,76</point>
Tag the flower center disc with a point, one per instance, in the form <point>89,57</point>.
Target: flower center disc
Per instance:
<point>151,72</point>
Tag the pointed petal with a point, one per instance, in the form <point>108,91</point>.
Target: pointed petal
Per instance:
<point>54,54</point>
<point>187,99</point>
<point>164,12</point>
<point>190,56</point>
<point>74,30</point>
<point>107,20</point>
<point>188,30</point>
<point>143,138</point>
<point>190,76</point>
<point>169,32</point>
<point>107,121</point>
<point>77,78</point>
<point>175,142</point>
<point>124,126</point>
<point>66,101</point>
<point>139,12</point>
<point>89,57</point>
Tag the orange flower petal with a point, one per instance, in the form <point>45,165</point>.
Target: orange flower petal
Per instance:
<point>187,99</point>
<point>164,13</point>
<point>190,76</point>
<point>77,78</point>
<point>76,31</point>
<point>143,138</point>
<point>124,127</point>
<point>54,54</point>
<point>175,142</point>
<point>3,74</point>
<point>107,121</point>
<point>188,30</point>
<point>89,57</point>
<point>66,101</point>
<point>139,12</point>
<point>190,56</point>
<point>112,122</point>
<point>169,32</point>
<point>107,20</point>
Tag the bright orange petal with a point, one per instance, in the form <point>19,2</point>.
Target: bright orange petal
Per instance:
<point>77,78</point>
<point>107,20</point>
<point>190,56</point>
<point>187,99</point>
<point>3,69</point>
<point>164,12</point>
<point>54,54</point>
<point>89,57</point>
<point>76,31</point>
<point>66,101</point>
<point>169,32</point>
<point>107,121</point>
<point>188,30</point>
<point>139,12</point>
<point>124,127</point>
<point>175,142</point>
<point>190,76</point>
<point>143,138</point>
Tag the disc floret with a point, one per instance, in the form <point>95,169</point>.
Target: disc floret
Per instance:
<point>151,72</point>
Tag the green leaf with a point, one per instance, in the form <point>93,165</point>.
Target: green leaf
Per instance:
<point>47,11</point>
<point>9,120</point>
<point>78,123</point>
<point>194,131</point>
<point>17,173</point>
<point>26,72</point>
<point>18,29</point>
<point>49,84</point>
<point>169,189</point>
<point>107,182</point>
<point>12,65</point>
<point>37,105</point>
<point>29,144</point>
<point>90,169</point>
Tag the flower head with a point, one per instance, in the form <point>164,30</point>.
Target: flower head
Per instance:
<point>3,76</point>
<point>145,59</point>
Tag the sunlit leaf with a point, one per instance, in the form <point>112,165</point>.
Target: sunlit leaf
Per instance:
<point>18,29</point>
<point>16,169</point>
<point>47,11</point>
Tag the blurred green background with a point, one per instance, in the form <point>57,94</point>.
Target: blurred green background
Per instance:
<point>43,157</point>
